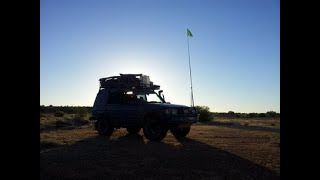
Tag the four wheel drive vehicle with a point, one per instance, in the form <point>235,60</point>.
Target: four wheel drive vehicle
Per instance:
<point>131,101</point>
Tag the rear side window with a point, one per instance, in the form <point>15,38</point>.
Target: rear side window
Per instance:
<point>100,101</point>
<point>114,98</point>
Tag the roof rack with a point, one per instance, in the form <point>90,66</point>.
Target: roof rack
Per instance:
<point>128,81</point>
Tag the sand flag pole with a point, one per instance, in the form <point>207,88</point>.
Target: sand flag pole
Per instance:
<point>189,34</point>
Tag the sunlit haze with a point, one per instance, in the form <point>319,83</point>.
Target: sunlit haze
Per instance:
<point>235,50</point>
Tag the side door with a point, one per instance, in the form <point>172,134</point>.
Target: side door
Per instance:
<point>130,104</point>
<point>122,108</point>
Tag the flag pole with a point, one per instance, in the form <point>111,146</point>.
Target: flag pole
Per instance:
<point>192,101</point>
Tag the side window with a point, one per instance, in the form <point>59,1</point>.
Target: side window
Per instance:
<point>142,97</point>
<point>100,100</point>
<point>129,98</point>
<point>114,98</point>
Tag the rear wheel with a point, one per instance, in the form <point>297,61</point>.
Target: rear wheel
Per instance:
<point>104,127</point>
<point>133,130</point>
<point>180,132</point>
<point>154,130</point>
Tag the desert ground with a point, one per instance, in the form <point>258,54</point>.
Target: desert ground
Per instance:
<point>221,149</point>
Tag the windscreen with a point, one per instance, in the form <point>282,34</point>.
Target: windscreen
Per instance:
<point>149,98</point>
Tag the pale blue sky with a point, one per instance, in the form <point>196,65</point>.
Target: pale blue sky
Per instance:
<point>235,50</point>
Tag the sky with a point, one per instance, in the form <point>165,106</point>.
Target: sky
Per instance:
<point>234,51</point>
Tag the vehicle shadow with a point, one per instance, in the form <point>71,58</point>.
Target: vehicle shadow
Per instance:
<point>134,157</point>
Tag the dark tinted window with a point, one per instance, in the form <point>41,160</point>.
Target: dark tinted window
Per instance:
<point>114,98</point>
<point>100,101</point>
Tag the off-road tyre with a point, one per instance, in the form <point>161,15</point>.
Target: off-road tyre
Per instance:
<point>180,132</point>
<point>104,127</point>
<point>154,130</point>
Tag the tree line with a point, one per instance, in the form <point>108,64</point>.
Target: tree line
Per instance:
<point>232,114</point>
<point>204,111</point>
<point>207,115</point>
<point>65,109</point>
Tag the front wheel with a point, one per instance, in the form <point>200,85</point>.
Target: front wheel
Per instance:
<point>104,128</point>
<point>154,130</point>
<point>180,132</point>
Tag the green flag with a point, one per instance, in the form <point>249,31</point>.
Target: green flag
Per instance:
<point>189,32</point>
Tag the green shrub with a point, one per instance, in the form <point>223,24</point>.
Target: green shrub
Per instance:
<point>79,121</point>
<point>205,114</point>
<point>253,115</point>
<point>262,115</point>
<point>81,112</point>
<point>272,114</point>
<point>59,114</point>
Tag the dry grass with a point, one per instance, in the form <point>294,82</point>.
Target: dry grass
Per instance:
<point>257,122</point>
<point>48,122</point>
<point>65,137</point>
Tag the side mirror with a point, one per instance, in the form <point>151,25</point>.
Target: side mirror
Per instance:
<point>161,95</point>
<point>161,91</point>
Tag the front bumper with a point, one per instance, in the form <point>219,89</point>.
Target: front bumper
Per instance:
<point>182,121</point>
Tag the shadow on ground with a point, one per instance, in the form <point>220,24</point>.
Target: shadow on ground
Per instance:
<point>133,157</point>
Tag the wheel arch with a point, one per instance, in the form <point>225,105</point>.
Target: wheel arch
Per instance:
<point>153,114</point>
